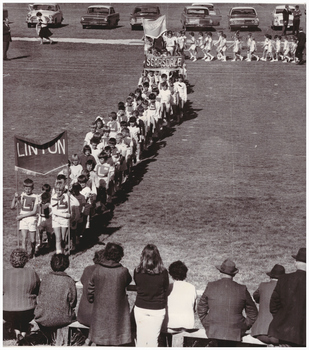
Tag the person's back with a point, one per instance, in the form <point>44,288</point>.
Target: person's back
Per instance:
<point>222,304</point>
<point>288,306</point>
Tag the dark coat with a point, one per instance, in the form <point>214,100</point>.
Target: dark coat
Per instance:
<point>301,39</point>
<point>288,306</point>
<point>220,310</point>
<point>110,322</point>
<point>285,14</point>
<point>6,33</point>
<point>56,301</point>
<point>262,296</point>
<point>85,308</point>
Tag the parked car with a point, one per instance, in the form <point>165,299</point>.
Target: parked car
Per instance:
<point>212,12</point>
<point>196,17</point>
<point>52,13</point>
<point>141,12</point>
<point>100,16</point>
<point>277,17</point>
<point>243,17</point>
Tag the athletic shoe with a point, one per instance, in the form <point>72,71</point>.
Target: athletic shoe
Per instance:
<point>284,61</point>
<point>257,58</point>
<point>263,59</point>
<point>241,58</point>
<point>248,60</point>
<point>293,62</point>
<point>272,60</point>
<point>233,60</point>
<point>194,59</point>
<point>223,60</point>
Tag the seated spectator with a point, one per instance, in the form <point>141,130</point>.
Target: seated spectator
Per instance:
<point>221,307</point>
<point>262,296</point>
<point>84,313</point>
<point>181,299</point>
<point>110,321</point>
<point>57,298</point>
<point>288,305</point>
<point>20,290</point>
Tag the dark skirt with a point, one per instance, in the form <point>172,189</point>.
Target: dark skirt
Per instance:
<point>45,33</point>
<point>19,319</point>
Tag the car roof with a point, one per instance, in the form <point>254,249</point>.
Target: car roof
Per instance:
<point>201,4</point>
<point>195,7</point>
<point>242,7</point>
<point>283,6</point>
<point>103,6</point>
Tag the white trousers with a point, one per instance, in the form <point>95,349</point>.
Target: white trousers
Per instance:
<point>148,326</point>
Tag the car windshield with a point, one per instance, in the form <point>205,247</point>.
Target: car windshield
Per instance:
<point>44,7</point>
<point>98,10</point>
<point>146,10</point>
<point>197,12</point>
<point>244,12</point>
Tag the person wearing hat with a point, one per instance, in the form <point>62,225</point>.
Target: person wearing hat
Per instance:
<point>221,308</point>
<point>288,305</point>
<point>262,297</point>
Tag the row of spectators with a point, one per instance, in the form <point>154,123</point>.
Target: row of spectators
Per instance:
<point>226,308</point>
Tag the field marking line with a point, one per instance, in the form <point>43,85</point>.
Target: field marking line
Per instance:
<point>88,41</point>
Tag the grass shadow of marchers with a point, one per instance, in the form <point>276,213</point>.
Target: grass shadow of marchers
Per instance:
<point>190,112</point>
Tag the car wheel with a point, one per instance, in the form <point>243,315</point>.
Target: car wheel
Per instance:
<point>116,25</point>
<point>132,27</point>
<point>29,25</point>
<point>84,27</point>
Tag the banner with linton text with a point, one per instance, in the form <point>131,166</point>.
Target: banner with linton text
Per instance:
<point>36,158</point>
<point>154,27</point>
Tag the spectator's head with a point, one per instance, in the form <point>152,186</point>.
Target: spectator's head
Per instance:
<point>113,252</point>
<point>300,259</point>
<point>18,258</point>
<point>87,150</point>
<point>98,256</point>
<point>59,262</point>
<point>276,271</point>
<point>150,261</point>
<point>228,267</point>
<point>178,270</point>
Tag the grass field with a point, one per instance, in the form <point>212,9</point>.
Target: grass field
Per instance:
<point>230,181</point>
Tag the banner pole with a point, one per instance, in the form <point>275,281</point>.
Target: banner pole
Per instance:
<point>69,228</point>
<point>17,208</point>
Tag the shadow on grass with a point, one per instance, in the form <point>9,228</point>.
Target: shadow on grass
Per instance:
<point>19,57</point>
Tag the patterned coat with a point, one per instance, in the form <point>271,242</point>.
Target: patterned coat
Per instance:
<point>110,321</point>
<point>56,300</point>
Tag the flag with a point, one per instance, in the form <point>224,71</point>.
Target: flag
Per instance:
<point>154,27</point>
<point>36,158</point>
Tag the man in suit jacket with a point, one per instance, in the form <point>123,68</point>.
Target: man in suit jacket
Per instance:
<point>262,297</point>
<point>288,305</point>
<point>221,307</point>
<point>285,14</point>
<point>6,38</point>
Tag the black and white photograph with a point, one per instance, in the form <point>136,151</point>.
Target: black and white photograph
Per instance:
<point>154,174</point>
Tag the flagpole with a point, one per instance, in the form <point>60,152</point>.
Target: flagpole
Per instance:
<point>17,208</point>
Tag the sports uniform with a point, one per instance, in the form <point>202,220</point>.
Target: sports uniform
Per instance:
<point>28,202</point>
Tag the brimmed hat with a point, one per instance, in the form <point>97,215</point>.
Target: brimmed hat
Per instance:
<point>276,271</point>
<point>301,255</point>
<point>228,267</point>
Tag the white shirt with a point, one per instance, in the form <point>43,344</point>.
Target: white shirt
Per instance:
<point>180,305</point>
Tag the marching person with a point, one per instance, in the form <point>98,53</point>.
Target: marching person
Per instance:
<point>288,305</point>
<point>221,308</point>
<point>7,38</point>
<point>42,29</point>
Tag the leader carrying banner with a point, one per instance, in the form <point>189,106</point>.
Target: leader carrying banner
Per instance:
<point>35,158</point>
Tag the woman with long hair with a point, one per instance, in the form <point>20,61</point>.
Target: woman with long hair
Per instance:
<point>151,279</point>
